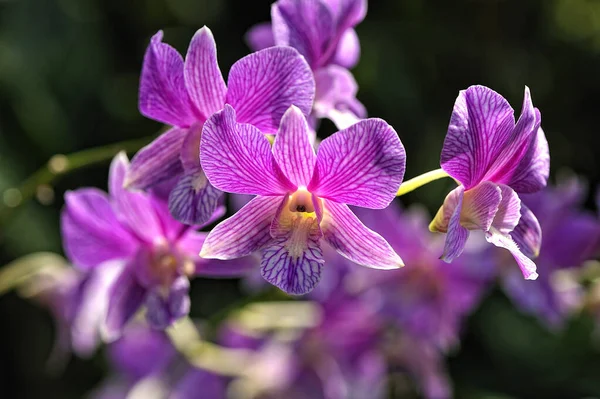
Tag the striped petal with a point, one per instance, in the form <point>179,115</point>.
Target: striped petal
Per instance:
<point>163,96</point>
<point>308,26</point>
<point>203,77</point>
<point>457,235</point>
<point>481,123</point>
<point>293,260</point>
<point>263,85</point>
<point>503,240</point>
<point>292,149</point>
<point>237,157</point>
<point>194,200</point>
<point>528,233</point>
<point>531,174</point>
<point>352,239</point>
<point>362,165</point>
<point>156,162</point>
<point>244,232</point>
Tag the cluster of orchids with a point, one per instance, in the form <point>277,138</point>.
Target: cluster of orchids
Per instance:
<point>316,216</point>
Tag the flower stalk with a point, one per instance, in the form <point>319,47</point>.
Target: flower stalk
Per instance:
<point>421,180</point>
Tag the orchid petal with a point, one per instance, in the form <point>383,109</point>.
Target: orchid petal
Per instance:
<point>481,122</point>
<point>91,232</point>
<point>203,77</point>
<point>135,209</point>
<point>336,96</point>
<point>157,313</point>
<point>531,174</point>
<point>263,85</point>
<point>156,162</point>
<point>362,165</point>
<point>163,96</point>
<point>527,234</point>
<point>503,240</point>
<point>260,36</point>
<point>126,297</point>
<point>191,243</point>
<point>161,312</point>
<point>521,143</point>
<point>306,25</point>
<point>190,151</point>
<point>348,50</point>
<point>193,200</point>
<point>244,232</point>
<point>292,149</point>
<point>353,240</point>
<point>509,211</point>
<point>293,261</point>
<point>237,157</point>
<point>348,12</point>
<point>457,235</point>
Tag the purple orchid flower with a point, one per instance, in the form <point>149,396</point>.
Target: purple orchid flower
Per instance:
<point>323,32</point>
<point>183,94</point>
<point>493,159</point>
<point>155,253</point>
<point>571,237</point>
<point>301,197</point>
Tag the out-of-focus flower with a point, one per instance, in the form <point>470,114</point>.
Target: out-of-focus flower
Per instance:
<point>571,237</point>
<point>184,93</point>
<point>134,232</point>
<point>493,159</point>
<point>323,32</point>
<point>146,365</point>
<point>301,196</point>
<point>428,299</point>
<point>337,358</point>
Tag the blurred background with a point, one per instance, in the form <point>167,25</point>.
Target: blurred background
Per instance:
<point>69,74</point>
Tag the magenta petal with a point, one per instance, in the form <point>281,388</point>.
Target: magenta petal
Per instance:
<point>244,232</point>
<point>336,96</point>
<point>294,273</point>
<point>193,200</point>
<point>263,85</point>
<point>307,26</point>
<point>348,50</point>
<point>203,77</point>
<point>135,209</point>
<point>292,149</point>
<point>126,297</point>
<point>509,210</point>
<point>352,239</point>
<point>531,174</point>
<point>457,235</point>
<point>528,233</point>
<point>502,240</point>
<point>481,122</point>
<point>156,162</point>
<point>237,157</point>
<point>260,36</point>
<point>348,12</point>
<point>163,96</point>
<point>518,144</point>
<point>362,165</point>
<point>91,231</point>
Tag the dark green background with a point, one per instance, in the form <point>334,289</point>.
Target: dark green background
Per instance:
<point>68,80</point>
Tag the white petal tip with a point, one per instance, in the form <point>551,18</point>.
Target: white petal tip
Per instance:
<point>532,276</point>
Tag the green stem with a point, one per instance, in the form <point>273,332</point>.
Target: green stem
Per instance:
<point>57,167</point>
<point>421,180</point>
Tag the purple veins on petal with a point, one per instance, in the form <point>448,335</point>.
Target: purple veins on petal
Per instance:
<point>263,85</point>
<point>193,200</point>
<point>362,165</point>
<point>156,162</point>
<point>237,157</point>
<point>163,95</point>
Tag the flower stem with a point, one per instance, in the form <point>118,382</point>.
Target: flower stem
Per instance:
<point>58,166</point>
<point>421,180</point>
